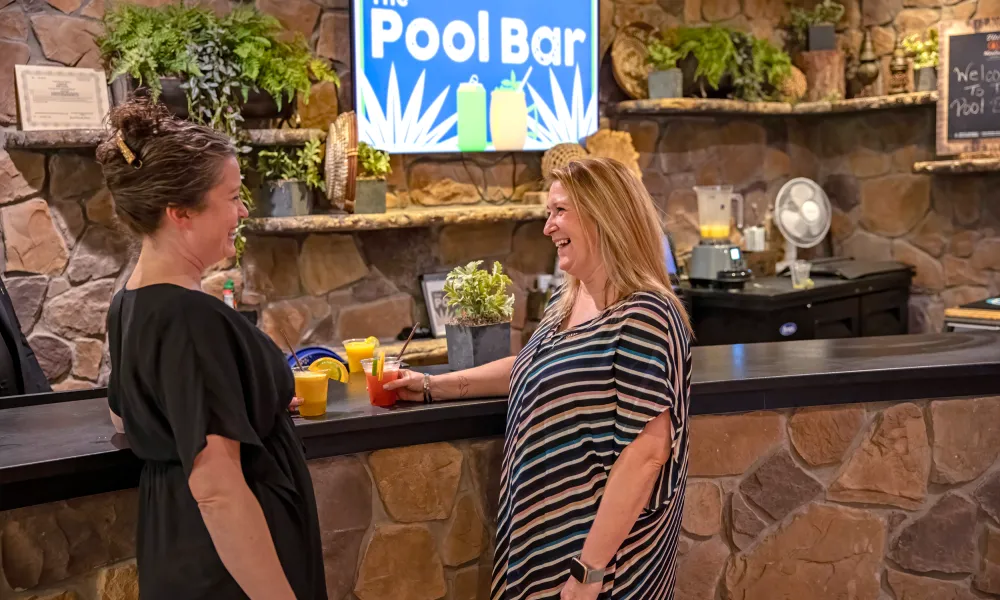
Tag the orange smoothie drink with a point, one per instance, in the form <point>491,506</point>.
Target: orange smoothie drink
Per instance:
<point>358,350</point>
<point>311,386</point>
<point>377,394</point>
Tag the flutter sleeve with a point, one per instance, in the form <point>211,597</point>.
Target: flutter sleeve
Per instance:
<point>652,366</point>
<point>201,384</point>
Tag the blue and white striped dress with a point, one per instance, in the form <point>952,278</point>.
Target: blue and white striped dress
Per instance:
<point>578,398</point>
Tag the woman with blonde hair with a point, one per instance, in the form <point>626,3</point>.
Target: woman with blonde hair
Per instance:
<point>595,457</point>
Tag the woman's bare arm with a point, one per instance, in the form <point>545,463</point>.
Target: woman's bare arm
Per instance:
<point>236,522</point>
<point>486,381</point>
<point>116,421</point>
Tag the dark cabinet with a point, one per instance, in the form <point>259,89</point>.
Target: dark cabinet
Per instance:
<point>770,310</point>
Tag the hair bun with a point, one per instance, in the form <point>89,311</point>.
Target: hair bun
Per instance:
<point>138,119</point>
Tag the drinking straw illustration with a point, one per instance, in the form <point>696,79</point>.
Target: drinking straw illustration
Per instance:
<point>525,80</point>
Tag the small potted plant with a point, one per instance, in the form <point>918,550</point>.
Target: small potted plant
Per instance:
<point>814,29</point>
<point>289,178</point>
<point>483,309</point>
<point>924,53</point>
<point>369,189</point>
<point>665,80</point>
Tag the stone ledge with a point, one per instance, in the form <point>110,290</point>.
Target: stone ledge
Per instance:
<point>401,219</point>
<point>699,106</point>
<point>89,138</point>
<point>421,352</point>
<point>959,166</point>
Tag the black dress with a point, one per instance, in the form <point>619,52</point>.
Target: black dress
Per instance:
<point>185,365</point>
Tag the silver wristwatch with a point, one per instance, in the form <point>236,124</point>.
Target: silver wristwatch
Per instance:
<point>583,573</point>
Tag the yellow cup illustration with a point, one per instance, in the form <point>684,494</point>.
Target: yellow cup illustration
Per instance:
<point>508,119</point>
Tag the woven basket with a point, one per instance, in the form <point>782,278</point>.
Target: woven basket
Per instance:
<point>628,59</point>
<point>342,161</point>
<point>559,156</point>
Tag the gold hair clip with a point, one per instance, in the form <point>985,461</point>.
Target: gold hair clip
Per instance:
<point>127,152</point>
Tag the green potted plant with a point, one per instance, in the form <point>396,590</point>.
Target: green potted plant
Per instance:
<point>814,29</point>
<point>924,53</point>
<point>665,80</point>
<point>480,332</point>
<point>211,69</point>
<point>370,186</point>
<point>719,62</point>
<point>289,177</point>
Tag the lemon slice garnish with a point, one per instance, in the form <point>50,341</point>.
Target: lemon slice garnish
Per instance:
<point>372,340</point>
<point>333,368</point>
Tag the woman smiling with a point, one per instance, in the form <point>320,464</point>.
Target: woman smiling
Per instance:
<point>595,457</point>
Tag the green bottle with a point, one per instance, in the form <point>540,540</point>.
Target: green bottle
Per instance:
<point>471,99</point>
<point>229,293</point>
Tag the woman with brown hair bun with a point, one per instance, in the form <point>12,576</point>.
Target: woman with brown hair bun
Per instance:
<point>226,505</point>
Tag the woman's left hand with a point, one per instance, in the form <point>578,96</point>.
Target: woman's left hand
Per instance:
<point>574,590</point>
<point>294,405</point>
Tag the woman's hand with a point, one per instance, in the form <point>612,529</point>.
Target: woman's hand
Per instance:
<point>295,404</point>
<point>574,590</point>
<point>409,386</point>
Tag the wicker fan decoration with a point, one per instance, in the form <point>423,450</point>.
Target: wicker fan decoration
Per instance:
<point>628,59</point>
<point>559,156</point>
<point>342,161</point>
<point>607,143</point>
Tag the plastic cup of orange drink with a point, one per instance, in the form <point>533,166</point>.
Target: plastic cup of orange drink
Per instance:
<point>311,386</point>
<point>377,394</point>
<point>358,350</point>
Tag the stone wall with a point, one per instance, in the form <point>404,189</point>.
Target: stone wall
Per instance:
<point>870,502</point>
<point>412,523</point>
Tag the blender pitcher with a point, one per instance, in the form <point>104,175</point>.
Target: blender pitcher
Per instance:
<point>715,211</point>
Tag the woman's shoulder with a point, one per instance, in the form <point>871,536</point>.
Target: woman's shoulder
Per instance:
<point>654,312</point>
<point>172,307</point>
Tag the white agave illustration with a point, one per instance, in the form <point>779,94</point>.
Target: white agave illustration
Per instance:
<point>410,130</point>
<point>561,122</point>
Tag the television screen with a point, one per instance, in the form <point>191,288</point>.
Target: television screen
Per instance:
<point>475,75</point>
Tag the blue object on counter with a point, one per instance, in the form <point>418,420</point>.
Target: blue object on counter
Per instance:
<point>311,354</point>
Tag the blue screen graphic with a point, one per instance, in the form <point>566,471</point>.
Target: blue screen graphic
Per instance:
<point>475,75</point>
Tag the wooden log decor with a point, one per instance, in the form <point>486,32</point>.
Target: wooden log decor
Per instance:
<point>824,71</point>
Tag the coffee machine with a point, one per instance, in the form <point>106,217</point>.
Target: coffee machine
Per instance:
<point>716,261</point>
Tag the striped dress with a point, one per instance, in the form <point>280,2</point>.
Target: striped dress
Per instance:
<point>578,398</point>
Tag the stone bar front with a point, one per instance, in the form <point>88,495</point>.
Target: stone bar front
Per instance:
<point>864,468</point>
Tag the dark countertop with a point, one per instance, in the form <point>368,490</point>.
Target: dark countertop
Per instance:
<point>68,449</point>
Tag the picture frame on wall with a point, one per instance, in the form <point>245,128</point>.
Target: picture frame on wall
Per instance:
<point>438,312</point>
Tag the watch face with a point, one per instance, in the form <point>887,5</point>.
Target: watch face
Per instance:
<point>577,570</point>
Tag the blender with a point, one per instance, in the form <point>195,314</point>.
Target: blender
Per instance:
<point>716,261</point>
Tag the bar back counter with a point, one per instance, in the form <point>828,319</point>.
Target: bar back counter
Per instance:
<point>862,468</point>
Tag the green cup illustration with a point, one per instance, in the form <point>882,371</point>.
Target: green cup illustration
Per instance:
<point>471,98</point>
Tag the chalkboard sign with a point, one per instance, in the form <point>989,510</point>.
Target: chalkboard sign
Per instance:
<point>969,87</point>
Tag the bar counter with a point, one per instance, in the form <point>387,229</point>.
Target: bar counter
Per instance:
<point>65,449</point>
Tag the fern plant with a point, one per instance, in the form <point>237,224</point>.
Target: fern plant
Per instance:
<point>479,297</point>
<point>372,163</point>
<point>661,55</point>
<point>756,66</point>
<point>301,164</point>
<point>220,59</point>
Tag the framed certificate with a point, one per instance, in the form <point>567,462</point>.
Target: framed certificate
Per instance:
<point>61,97</point>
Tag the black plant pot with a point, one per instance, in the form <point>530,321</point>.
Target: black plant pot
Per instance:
<point>476,346</point>
<point>259,105</point>
<point>822,37</point>
<point>697,86</point>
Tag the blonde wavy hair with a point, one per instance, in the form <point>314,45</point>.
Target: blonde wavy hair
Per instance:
<point>616,205</point>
